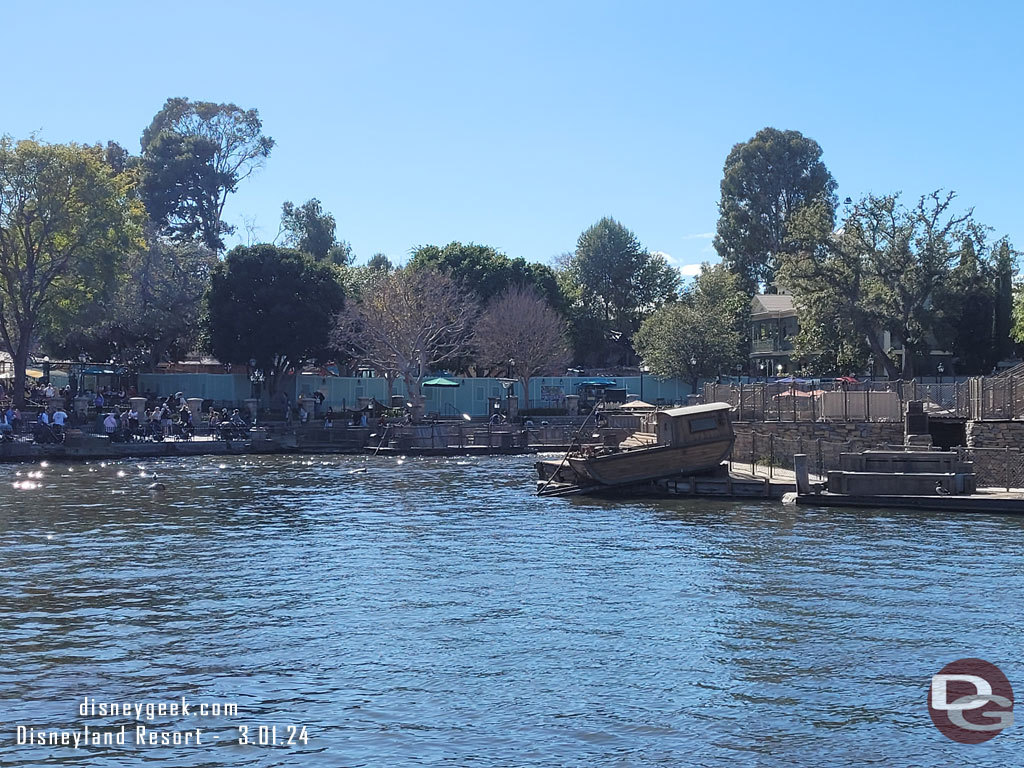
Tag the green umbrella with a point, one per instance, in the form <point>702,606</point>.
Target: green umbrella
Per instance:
<point>441,382</point>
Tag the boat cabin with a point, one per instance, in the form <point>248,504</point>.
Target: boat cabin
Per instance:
<point>693,424</point>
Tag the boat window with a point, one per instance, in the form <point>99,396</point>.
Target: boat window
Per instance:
<point>703,424</point>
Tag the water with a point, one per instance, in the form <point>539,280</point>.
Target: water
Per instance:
<point>434,612</point>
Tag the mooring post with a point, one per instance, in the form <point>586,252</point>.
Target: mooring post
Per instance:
<point>803,481</point>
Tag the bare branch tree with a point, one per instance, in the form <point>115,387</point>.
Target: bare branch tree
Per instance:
<point>521,331</point>
<point>410,321</point>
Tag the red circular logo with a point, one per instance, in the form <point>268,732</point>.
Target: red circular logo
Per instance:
<point>970,701</point>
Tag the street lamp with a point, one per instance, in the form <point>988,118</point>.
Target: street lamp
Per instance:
<point>940,368</point>
<point>778,369</point>
<point>871,368</point>
<point>46,369</point>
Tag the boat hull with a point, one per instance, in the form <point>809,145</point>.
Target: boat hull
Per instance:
<point>642,464</point>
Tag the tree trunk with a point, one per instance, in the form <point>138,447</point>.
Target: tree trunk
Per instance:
<point>525,381</point>
<point>20,367</point>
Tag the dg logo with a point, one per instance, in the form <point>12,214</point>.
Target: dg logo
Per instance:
<point>970,701</point>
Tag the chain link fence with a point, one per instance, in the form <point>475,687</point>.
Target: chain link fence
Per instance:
<point>802,400</point>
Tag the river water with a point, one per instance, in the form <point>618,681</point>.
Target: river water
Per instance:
<point>435,612</point>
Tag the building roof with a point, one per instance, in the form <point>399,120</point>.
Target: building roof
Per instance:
<point>772,303</point>
<point>691,410</point>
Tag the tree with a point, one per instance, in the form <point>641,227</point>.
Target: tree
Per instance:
<point>194,155</point>
<point>488,271</point>
<point>1005,265</point>
<point>66,220</point>
<point>413,320</point>
<point>152,311</point>
<point>520,326</point>
<point>883,271</point>
<point>311,229</point>
<point>379,263</point>
<point>612,283</point>
<point>271,305</point>
<point>766,180</point>
<point>699,335</point>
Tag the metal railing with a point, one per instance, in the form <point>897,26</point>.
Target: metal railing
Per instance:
<point>993,467</point>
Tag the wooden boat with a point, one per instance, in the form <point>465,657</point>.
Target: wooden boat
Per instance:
<point>676,441</point>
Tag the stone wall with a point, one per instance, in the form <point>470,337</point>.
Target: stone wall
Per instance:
<point>836,437</point>
<point>995,434</point>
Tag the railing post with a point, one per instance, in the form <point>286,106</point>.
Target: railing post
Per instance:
<point>741,401</point>
<point>771,453</point>
<point>1006,466</point>
<point>821,460</point>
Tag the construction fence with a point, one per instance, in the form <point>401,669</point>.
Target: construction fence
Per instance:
<point>798,400</point>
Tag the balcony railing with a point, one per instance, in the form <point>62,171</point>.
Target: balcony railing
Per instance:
<point>761,346</point>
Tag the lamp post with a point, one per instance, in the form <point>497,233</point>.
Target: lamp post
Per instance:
<point>739,370</point>
<point>760,367</point>
<point>778,370</point>
<point>941,369</point>
<point>871,370</point>
<point>46,370</point>
<point>511,390</point>
<point>256,379</point>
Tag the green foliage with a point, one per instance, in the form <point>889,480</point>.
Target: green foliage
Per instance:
<point>150,312</point>
<point>886,270</point>
<point>612,283</point>
<point>699,335</point>
<point>311,229</point>
<point>1005,265</point>
<point>194,154</point>
<point>66,222</point>
<point>272,305</point>
<point>379,263</point>
<point>766,180</point>
<point>487,271</point>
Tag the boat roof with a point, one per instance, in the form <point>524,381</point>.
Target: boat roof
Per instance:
<point>692,410</point>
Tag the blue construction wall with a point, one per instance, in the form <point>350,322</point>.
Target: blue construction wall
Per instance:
<point>471,397</point>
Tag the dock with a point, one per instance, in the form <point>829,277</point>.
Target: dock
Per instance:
<point>764,482</point>
<point>984,500</point>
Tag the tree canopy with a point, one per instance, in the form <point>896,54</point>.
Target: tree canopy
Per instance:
<point>612,283</point>
<point>412,320</point>
<point>311,229</point>
<point>66,222</point>
<point>194,154</point>
<point>699,335</point>
<point>487,271</point>
<point>272,305</point>
<point>151,311</point>
<point>766,180</point>
<point>884,271</point>
<point>520,331</point>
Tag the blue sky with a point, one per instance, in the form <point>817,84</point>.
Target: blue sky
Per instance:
<point>520,125</point>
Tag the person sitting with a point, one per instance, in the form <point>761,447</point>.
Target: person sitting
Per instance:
<point>98,400</point>
<point>329,418</point>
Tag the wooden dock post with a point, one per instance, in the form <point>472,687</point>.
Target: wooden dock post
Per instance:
<point>803,481</point>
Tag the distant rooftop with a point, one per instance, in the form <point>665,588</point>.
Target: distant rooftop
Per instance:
<point>772,303</point>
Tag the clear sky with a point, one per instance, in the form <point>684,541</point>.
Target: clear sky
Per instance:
<point>519,125</point>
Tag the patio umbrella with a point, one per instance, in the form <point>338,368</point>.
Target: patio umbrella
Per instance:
<point>441,382</point>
